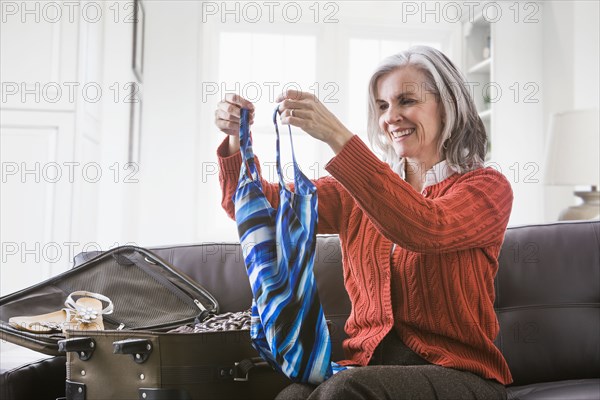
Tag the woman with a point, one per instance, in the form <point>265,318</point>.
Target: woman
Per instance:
<point>420,232</point>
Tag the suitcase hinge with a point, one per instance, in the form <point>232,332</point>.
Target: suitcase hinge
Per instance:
<point>200,305</point>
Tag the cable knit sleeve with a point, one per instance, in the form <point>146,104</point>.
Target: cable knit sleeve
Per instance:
<point>334,202</point>
<point>473,212</point>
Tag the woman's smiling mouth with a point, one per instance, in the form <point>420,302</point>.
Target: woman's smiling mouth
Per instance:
<point>400,133</point>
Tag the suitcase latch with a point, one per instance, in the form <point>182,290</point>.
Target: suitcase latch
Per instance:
<point>139,349</point>
<point>240,376</point>
<point>242,369</point>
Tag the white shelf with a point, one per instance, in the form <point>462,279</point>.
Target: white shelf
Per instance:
<point>477,35</point>
<point>482,67</point>
<point>480,21</point>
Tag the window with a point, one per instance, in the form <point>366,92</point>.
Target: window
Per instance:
<point>259,62</point>
<point>262,67</point>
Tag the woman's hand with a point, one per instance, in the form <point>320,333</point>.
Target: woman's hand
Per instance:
<point>305,111</point>
<point>227,118</point>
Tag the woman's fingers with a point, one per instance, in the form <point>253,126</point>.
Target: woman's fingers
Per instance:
<point>239,101</point>
<point>292,116</point>
<point>228,112</point>
<point>228,127</point>
<point>294,105</point>
<point>292,111</point>
<point>231,116</point>
<point>293,94</point>
<point>225,114</point>
<point>305,111</point>
<point>232,110</point>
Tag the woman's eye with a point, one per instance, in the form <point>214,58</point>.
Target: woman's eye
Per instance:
<point>383,107</point>
<point>406,101</point>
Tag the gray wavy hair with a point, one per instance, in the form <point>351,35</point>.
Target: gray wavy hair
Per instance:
<point>463,141</point>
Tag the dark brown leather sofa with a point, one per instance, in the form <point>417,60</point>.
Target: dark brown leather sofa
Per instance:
<point>547,302</point>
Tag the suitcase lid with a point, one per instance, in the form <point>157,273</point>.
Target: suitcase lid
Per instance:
<point>147,292</point>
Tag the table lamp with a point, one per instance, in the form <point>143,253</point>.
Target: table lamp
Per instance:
<point>573,159</point>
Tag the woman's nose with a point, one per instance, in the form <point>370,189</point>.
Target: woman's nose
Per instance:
<point>393,115</point>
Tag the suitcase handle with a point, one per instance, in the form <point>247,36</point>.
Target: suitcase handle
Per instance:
<point>242,369</point>
<point>139,349</point>
<point>83,346</point>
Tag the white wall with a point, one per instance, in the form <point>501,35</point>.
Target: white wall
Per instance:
<point>517,114</point>
<point>559,30</point>
<point>571,52</point>
<point>586,48</point>
<point>119,195</point>
<point>167,203</point>
<point>49,214</point>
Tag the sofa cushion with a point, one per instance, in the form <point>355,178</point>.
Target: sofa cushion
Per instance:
<point>578,389</point>
<point>548,301</point>
<point>43,380</point>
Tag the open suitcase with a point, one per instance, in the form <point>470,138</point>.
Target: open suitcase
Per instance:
<point>134,356</point>
<point>149,365</point>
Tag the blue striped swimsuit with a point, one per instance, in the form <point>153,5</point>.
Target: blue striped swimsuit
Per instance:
<point>288,326</point>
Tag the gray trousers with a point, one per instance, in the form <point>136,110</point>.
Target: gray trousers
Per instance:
<point>395,372</point>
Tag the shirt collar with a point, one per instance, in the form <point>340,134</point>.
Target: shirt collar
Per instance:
<point>434,175</point>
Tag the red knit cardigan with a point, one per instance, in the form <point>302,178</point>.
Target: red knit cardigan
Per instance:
<point>437,290</point>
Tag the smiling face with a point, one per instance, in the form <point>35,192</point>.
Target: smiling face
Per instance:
<point>409,115</point>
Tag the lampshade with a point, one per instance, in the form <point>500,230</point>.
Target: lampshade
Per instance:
<point>573,150</point>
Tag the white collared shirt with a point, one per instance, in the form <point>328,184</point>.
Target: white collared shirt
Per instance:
<point>434,175</point>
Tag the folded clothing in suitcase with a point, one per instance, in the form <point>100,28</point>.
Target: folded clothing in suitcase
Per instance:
<point>147,293</point>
